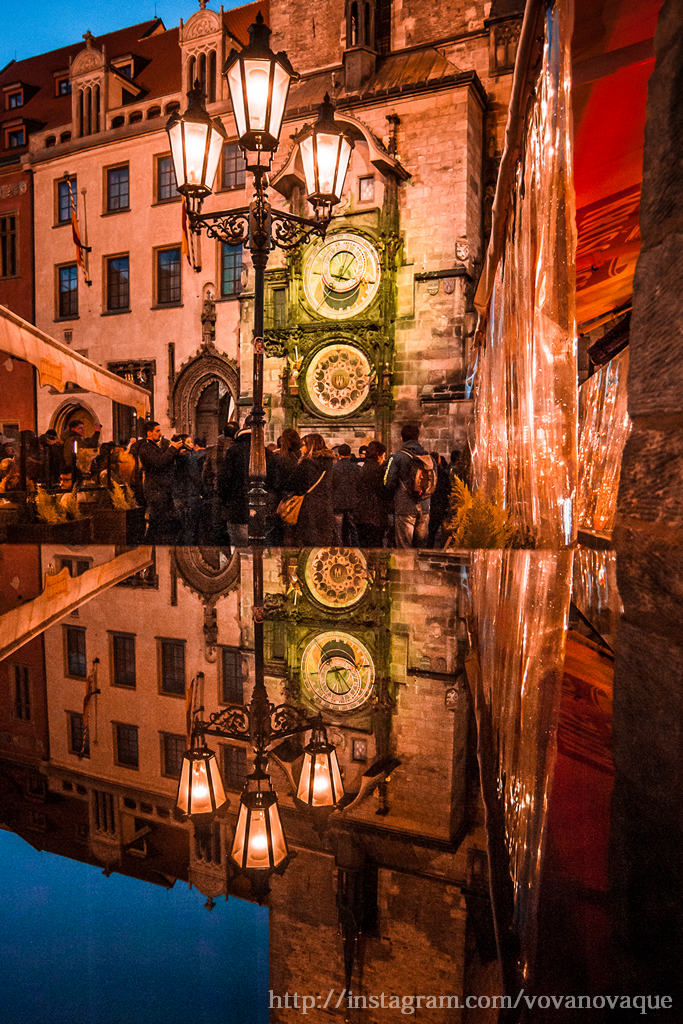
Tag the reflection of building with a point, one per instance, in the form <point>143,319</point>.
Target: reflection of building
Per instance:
<point>399,871</point>
<point>364,328</point>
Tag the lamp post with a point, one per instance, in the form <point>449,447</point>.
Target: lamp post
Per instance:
<point>259,82</point>
<point>259,845</point>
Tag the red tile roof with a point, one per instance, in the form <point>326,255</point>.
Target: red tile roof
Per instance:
<point>156,48</point>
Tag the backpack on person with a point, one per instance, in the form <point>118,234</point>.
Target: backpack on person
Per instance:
<point>421,482</point>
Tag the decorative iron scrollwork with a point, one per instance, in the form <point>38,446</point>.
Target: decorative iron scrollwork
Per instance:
<point>233,721</point>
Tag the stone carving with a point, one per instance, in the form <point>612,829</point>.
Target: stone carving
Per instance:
<point>194,375</point>
<point>88,59</point>
<point>203,23</point>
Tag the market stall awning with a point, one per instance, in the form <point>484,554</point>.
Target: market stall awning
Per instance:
<point>59,365</point>
<point>62,594</point>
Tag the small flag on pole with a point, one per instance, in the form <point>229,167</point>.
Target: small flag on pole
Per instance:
<point>81,249</point>
<point>188,241</point>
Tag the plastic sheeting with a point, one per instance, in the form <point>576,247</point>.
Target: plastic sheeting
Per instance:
<point>520,604</point>
<point>525,402</point>
<point>595,591</point>
<point>604,426</point>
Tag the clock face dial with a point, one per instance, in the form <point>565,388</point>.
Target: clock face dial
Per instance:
<point>341,276</point>
<point>338,380</point>
<point>337,672</point>
<point>337,577</point>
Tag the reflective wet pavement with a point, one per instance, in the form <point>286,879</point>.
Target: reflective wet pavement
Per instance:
<point>469,699</point>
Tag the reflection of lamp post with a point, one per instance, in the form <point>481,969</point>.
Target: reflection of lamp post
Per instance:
<point>259,845</point>
<point>259,82</point>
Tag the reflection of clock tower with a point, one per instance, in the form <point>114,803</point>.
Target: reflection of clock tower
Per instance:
<point>337,331</point>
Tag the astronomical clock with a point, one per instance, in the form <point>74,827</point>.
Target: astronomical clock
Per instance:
<point>333,619</point>
<point>338,341</point>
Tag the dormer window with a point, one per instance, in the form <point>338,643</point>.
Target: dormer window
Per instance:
<point>15,137</point>
<point>125,69</point>
<point>14,99</point>
<point>62,85</point>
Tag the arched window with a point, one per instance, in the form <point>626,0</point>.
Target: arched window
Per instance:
<point>202,71</point>
<point>191,72</point>
<point>79,114</point>
<point>212,77</point>
<point>96,117</point>
<point>367,28</point>
<point>352,28</point>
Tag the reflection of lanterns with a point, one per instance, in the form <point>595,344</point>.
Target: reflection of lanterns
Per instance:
<point>200,788</point>
<point>320,783</point>
<point>259,843</point>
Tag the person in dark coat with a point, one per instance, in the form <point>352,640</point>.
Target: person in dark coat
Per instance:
<point>233,488</point>
<point>345,478</point>
<point>411,513</point>
<point>372,509</point>
<point>316,524</point>
<point>158,484</point>
<point>282,464</point>
<point>438,506</point>
<point>75,442</point>
<point>187,494</point>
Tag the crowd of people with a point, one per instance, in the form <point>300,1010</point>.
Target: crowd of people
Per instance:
<point>198,494</point>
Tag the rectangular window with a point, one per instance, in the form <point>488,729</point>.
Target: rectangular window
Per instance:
<point>75,652</point>
<point>118,284</point>
<point>172,666</point>
<point>234,767</point>
<point>166,183</point>
<point>64,199</point>
<point>15,99</point>
<point>104,815</point>
<point>231,269</point>
<point>68,291</point>
<point>22,693</point>
<point>279,307</point>
<point>79,741</point>
<point>123,659</point>
<point>168,276</point>
<point>172,750</point>
<point>117,189</point>
<point>234,171</point>
<point>126,737</point>
<point>8,245</point>
<point>62,86</point>
<point>232,684</point>
<point>366,189</point>
<point>207,839</point>
<point>16,137</point>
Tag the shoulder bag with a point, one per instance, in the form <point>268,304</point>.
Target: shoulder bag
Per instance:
<point>289,508</point>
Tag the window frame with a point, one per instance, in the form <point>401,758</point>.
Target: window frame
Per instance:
<point>115,635</point>
<point>67,629</point>
<point>182,644</point>
<point>14,233</point>
<point>362,179</point>
<point>11,130</point>
<point>62,79</point>
<point>157,253</point>
<point>230,780</point>
<point>9,96</point>
<point>222,247</point>
<point>108,209</point>
<point>59,312</point>
<point>158,198</point>
<point>84,750</point>
<point>238,172</point>
<point>163,737</point>
<point>239,676</point>
<point>116,746</point>
<point>108,260</point>
<point>59,221</point>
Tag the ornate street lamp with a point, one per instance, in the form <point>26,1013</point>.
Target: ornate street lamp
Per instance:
<point>200,787</point>
<point>259,844</point>
<point>259,82</point>
<point>320,783</point>
<point>196,145</point>
<point>325,154</point>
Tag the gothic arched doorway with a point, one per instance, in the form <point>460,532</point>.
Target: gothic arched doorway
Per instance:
<point>205,396</point>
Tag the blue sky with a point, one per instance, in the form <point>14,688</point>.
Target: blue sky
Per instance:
<point>45,25</point>
<point>79,948</point>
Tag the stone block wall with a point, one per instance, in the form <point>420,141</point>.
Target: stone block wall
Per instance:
<point>314,36</point>
<point>646,836</point>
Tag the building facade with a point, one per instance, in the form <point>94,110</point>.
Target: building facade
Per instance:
<point>424,96</point>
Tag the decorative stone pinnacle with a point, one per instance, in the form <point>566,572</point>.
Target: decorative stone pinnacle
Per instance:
<point>88,39</point>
